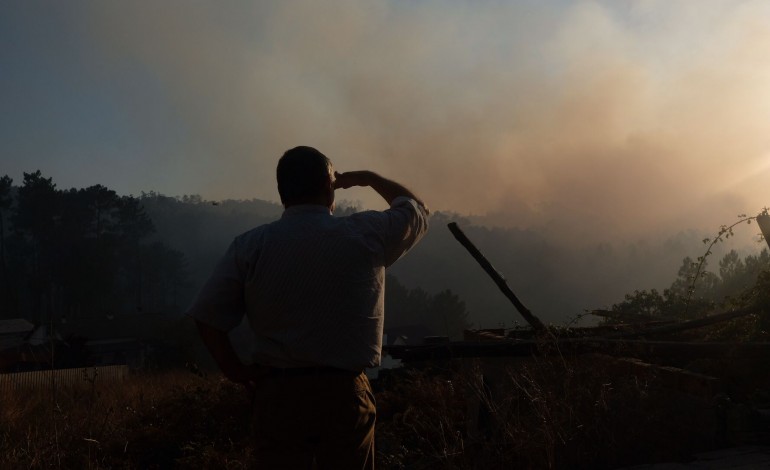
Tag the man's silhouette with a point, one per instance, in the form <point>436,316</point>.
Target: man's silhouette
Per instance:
<point>312,287</point>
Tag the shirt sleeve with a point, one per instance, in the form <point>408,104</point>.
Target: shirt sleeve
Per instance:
<point>400,227</point>
<point>220,303</point>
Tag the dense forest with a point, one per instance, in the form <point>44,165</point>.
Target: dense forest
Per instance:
<point>82,252</point>
<point>89,252</point>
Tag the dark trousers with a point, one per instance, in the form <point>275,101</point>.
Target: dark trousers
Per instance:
<point>316,418</point>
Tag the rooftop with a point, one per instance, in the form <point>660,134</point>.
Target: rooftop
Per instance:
<point>15,326</point>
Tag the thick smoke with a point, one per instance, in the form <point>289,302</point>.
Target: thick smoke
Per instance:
<point>589,119</point>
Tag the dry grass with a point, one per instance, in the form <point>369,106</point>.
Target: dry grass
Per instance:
<point>175,419</point>
<point>536,413</point>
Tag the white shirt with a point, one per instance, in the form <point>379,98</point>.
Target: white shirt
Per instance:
<point>311,284</point>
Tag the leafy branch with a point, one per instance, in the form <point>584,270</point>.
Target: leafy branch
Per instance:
<point>725,232</point>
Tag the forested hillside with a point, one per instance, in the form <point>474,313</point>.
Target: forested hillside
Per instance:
<point>81,253</point>
<point>90,251</point>
<point>555,277</point>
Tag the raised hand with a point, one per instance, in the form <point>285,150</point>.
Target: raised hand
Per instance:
<point>351,178</point>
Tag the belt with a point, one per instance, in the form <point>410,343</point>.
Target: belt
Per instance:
<point>275,372</point>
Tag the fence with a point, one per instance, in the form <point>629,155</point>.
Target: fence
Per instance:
<point>63,377</point>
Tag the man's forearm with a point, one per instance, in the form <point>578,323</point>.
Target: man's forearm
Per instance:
<point>221,349</point>
<point>388,189</point>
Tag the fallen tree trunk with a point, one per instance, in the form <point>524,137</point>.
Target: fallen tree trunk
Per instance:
<point>687,325</point>
<point>624,316</point>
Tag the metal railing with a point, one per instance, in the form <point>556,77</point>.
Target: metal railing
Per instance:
<point>63,377</point>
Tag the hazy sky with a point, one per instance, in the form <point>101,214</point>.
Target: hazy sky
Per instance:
<point>632,117</point>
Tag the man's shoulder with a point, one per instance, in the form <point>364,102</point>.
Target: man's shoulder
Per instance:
<point>364,220</point>
<point>254,235</point>
<point>404,216</point>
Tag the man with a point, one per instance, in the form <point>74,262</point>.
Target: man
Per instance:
<point>312,288</point>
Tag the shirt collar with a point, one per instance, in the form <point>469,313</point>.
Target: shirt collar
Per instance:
<point>305,209</point>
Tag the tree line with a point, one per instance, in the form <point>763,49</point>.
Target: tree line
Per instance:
<point>89,252</point>
<point>80,253</point>
<point>442,313</point>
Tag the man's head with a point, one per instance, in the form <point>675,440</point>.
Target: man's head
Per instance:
<point>305,176</point>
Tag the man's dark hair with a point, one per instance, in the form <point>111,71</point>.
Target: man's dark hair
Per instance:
<point>303,175</point>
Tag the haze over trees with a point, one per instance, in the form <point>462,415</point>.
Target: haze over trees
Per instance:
<point>85,253</point>
<point>90,252</point>
<point>555,279</point>
<point>693,293</point>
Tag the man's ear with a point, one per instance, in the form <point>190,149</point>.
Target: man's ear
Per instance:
<point>330,193</point>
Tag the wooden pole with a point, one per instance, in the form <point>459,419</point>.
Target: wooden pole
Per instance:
<point>496,276</point>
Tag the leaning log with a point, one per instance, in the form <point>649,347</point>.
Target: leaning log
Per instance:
<point>496,276</point>
<point>624,317</point>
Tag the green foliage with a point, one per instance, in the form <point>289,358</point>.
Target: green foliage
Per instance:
<point>647,303</point>
<point>725,232</point>
<point>696,292</point>
<point>738,281</point>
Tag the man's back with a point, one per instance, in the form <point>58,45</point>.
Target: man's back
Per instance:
<point>313,283</point>
<point>312,287</point>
